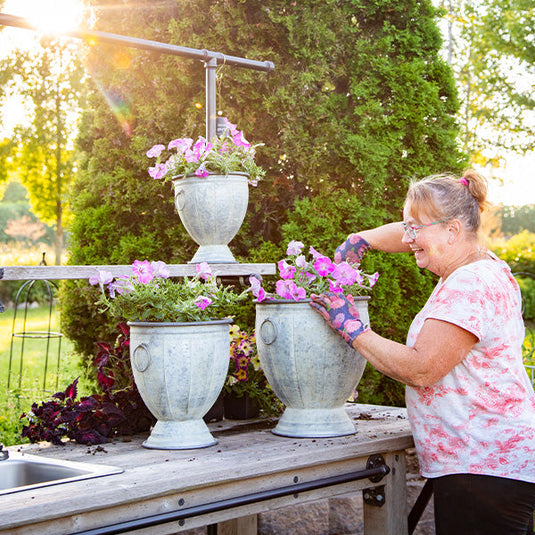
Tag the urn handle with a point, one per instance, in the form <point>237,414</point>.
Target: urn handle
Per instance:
<point>180,199</point>
<point>268,332</point>
<point>141,358</point>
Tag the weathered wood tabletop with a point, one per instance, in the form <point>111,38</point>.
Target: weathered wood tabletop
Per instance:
<point>248,461</point>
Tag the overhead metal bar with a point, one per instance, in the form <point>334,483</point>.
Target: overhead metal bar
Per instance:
<point>211,59</point>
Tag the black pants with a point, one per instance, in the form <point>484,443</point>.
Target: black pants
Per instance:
<point>468,504</point>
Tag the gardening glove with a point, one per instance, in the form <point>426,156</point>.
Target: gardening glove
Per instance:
<point>340,313</point>
<point>352,250</point>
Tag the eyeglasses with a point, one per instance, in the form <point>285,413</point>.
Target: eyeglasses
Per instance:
<point>411,231</point>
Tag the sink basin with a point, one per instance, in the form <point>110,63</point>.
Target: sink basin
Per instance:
<point>23,472</point>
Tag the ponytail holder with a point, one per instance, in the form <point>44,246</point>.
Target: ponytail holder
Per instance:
<point>463,181</point>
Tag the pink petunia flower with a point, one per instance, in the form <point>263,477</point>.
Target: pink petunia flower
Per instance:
<point>256,288</point>
<point>203,271</point>
<point>181,144</point>
<point>160,269</point>
<point>301,262</point>
<point>289,290</point>
<point>103,277</point>
<point>286,271</point>
<point>143,271</point>
<point>155,151</point>
<point>202,302</point>
<point>323,266</point>
<point>158,171</point>
<point>294,247</point>
<point>346,275</point>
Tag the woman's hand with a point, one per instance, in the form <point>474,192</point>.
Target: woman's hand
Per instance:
<point>340,313</point>
<point>352,250</point>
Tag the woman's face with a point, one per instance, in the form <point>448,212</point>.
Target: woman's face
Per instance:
<point>430,244</point>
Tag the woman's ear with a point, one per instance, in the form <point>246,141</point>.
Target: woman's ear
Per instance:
<point>455,228</point>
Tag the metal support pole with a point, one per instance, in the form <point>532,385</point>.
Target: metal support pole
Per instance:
<point>210,58</point>
<point>211,104</point>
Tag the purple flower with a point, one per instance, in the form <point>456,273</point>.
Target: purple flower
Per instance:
<point>103,277</point>
<point>201,171</point>
<point>323,266</point>
<point>202,302</point>
<point>203,271</point>
<point>143,271</point>
<point>315,253</point>
<point>158,171</point>
<point>155,151</point>
<point>160,269</point>
<point>286,271</point>
<point>122,285</point>
<point>294,248</point>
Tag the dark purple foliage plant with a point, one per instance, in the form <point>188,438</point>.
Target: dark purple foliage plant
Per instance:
<point>117,410</point>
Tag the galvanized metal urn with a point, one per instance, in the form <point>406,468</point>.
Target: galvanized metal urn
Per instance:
<point>212,210</point>
<point>179,370</point>
<point>311,369</point>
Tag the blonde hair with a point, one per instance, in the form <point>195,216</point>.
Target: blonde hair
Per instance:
<point>449,197</point>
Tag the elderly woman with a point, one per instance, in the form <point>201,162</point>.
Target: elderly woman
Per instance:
<point>469,399</point>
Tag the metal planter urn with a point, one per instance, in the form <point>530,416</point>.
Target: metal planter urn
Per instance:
<point>180,370</point>
<point>212,210</point>
<point>311,369</point>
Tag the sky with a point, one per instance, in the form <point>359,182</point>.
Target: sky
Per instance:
<point>518,176</point>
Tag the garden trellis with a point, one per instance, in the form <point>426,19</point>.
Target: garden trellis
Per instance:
<point>210,58</point>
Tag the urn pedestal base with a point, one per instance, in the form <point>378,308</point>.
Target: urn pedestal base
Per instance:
<point>184,435</point>
<point>314,423</point>
<point>213,254</point>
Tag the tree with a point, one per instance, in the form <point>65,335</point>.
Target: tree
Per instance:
<point>51,81</point>
<point>490,48</point>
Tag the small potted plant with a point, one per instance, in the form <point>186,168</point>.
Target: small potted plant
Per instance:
<point>211,180</point>
<point>179,345</point>
<point>246,391</point>
<point>311,369</point>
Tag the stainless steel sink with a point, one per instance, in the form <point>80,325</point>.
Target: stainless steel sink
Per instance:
<point>23,472</point>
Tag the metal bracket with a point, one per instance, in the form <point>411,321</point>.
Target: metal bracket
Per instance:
<point>374,462</point>
<point>374,496</point>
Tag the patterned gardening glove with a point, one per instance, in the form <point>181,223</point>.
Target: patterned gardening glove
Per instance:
<point>341,314</point>
<point>352,250</point>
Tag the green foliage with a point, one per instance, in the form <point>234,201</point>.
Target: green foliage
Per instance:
<point>491,50</point>
<point>527,287</point>
<point>515,219</point>
<point>518,252</point>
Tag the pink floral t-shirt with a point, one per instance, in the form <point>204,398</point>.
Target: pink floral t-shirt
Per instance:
<point>480,417</point>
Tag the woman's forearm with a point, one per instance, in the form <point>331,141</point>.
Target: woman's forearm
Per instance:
<point>386,238</point>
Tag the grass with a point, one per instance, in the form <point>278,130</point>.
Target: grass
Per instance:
<point>28,387</point>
